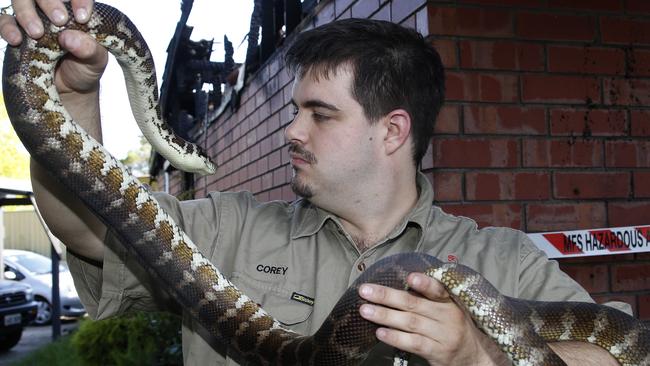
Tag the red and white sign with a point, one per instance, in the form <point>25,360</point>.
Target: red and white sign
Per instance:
<point>583,243</point>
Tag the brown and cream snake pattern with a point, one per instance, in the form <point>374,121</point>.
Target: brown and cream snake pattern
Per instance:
<point>521,328</point>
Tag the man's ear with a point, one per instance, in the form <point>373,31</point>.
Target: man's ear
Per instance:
<point>398,129</point>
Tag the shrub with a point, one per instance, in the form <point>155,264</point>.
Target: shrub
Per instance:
<point>137,339</point>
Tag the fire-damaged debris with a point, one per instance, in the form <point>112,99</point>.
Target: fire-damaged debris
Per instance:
<point>195,90</point>
<point>192,84</point>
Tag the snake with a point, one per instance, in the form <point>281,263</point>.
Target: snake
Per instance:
<point>521,328</point>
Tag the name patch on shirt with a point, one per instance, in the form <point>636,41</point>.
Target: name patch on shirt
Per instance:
<point>302,298</point>
<point>280,270</point>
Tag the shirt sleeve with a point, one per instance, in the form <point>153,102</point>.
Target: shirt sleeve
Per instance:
<point>121,284</point>
<point>542,279</point>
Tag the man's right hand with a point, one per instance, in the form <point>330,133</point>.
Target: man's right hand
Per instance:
<point>79,72</point>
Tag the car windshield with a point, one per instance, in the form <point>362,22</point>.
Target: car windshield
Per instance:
<point>35,263</point>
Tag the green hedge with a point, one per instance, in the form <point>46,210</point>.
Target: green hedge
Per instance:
<point>137,339</point>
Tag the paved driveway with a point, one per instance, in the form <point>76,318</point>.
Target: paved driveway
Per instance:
<point>34,337</point>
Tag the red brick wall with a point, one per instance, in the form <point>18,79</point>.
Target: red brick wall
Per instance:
<point>546,125</point>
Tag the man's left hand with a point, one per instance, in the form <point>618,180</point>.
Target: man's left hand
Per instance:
<point>426,322</point>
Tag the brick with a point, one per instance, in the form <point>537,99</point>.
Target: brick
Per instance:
<point>588,122</point>
<point>382,14</point>
<point>263,197</point>
<point>624,30</point>
<point>638,6</point>
<point>586,60</point>
<point>630,277</point>
<point>480,22</point>
<point>447,186</point>
<point>275,194</point>
<point>507,185</point>
<point>526,3</point>
<point>482,87</point>
<point>402,9</point>
<point>639,62</point>
<point>409,22</point>
<point>324,16</point>
<point>565,216</point>
<point>506,215</point>
<point>475,153</point>
<point>287,193</point>
<point>596,259</point>
<point>644,307</point>
<point>563,153</point>
<point>628,299</point>
<point>627,153</point>
<point>427,159</point>
<point>642,185</point>
<point>619,91</point>
<point>504,120</point>
<point>560,89</point>
<point>363,8</point>
<point>594,278</point>
<point>555,27</point>
<point>587,185</point>
<point>587,5</point>
<point>448,52</point>
<point>642,256</point>
<point>342,5</point>
<point>501,55</point>
<point>448,120</point>
<point>629,213</point>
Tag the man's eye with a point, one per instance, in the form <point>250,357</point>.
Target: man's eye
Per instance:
<point>294,112</point>
<point>319,117</point>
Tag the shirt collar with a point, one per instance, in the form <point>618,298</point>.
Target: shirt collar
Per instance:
<point>309,219</point>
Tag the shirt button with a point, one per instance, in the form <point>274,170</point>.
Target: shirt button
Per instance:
<point>361,267</point>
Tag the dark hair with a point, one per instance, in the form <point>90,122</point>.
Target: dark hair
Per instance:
<point>393,67</point>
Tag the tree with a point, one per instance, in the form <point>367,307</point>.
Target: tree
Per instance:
<point>138,160</point>
<point>14,159</point>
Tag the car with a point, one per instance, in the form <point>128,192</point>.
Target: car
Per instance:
<point>17,309</point>
<point>36,270</point>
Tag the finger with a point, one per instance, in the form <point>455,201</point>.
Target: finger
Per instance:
<point>54,10</point>
<point>9,30</point>
<point>409,342</point>
<point>427,287</point>
<point>82,9</point>
<point>401,320</point>
<point>26,16</point>
<point>400,299</point>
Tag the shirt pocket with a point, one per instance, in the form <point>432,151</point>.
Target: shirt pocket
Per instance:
<point>275,298</point>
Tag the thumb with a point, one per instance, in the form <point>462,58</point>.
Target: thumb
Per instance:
<point>428,287</point>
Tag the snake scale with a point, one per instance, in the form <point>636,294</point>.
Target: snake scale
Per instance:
<point>521,328</point>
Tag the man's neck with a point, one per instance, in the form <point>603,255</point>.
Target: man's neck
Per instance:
<point>380,213</point>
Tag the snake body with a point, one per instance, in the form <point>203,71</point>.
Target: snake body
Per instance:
<point>521,328</point>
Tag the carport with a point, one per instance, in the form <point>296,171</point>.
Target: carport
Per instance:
<point>19,193</point>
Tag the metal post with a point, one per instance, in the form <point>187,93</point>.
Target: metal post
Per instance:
<point>55,250</point>
<point>56,299</point>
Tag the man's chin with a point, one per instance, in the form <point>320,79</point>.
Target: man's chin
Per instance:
<point>301,188</point>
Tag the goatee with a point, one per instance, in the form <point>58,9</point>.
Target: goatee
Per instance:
<point>299,187</point>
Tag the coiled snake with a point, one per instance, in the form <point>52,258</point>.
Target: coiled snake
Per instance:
<point>521,328</point>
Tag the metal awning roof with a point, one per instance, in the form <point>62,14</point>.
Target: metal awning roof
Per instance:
<point>15,192</point>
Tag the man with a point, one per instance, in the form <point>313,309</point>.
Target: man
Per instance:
<point>366,95</point>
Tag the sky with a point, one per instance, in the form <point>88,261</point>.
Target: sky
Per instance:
<point>156,20</point>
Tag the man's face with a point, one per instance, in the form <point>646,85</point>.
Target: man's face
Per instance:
<point>332,144</point>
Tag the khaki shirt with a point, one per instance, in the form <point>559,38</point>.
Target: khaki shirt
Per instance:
<point>282,255</point>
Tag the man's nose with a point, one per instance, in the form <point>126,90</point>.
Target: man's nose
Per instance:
<point>295,130</point>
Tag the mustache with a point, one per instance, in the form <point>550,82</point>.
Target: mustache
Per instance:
<point>297,149</point>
